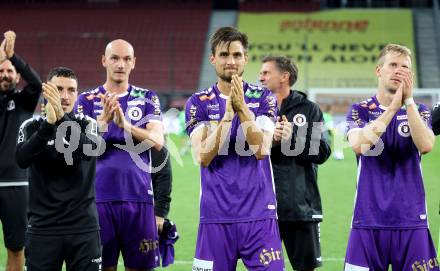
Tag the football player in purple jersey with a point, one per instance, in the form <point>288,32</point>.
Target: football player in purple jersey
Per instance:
<point>389,133</point>
<point>230,125</point>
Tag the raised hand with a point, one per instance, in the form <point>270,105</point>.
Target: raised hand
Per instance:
<point>287,129</point>
<point>283,129</point>
<point>229,113</point>
<point>3,56</point>
<point>397,101</point>
<point>51,116</point>
<point>52,95</point>
<point>119,118</point>
<point>109,106</point>
<point>10,43</point>
<point>237,96</point>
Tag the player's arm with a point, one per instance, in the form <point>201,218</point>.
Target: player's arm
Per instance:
<point>162,184</point>
<point>255,136</point>
<point>315,139</point>
<point>33,137</point>
<point>421,134</point>
<point>436,119</point>
<point>152,134</point>
<point>28,97</point>
<point>206,141</point>
<point>362,140</point>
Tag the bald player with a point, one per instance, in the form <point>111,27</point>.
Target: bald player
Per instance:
<point>129,119</point>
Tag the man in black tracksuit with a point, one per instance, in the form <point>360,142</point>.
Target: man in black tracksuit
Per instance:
<point>162,182</point>
<point>296,151</point>
<point>60,152</point>
<point>15,107</point>
<point>436,119</point>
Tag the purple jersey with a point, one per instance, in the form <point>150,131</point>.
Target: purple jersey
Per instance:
<point>235,187</point>
<point>118,177</point>
<point>390,193</point>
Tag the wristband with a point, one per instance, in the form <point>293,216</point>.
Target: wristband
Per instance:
<point>409,101</point>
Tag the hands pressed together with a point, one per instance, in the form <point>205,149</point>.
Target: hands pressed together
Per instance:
<point>112,110</point>
<point>54,110</point>
<point>7,46</point>
<point>283,129</point>
<point>235,103</point>
<point>405,90</point>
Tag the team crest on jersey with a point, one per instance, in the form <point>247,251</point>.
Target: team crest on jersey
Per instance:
<point>11,105</point>
<point>134,113</point>
<point>403,129</point>
<point>299,120</point>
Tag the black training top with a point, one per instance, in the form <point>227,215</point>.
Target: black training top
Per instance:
<point>61,195</point>
<point>16,107</point>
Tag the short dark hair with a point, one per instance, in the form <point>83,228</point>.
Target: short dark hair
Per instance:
<point>228,34</point>
<point>284,64</point>
<point>61,72</point>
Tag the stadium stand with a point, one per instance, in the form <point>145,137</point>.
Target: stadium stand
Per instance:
<point>168,41</point>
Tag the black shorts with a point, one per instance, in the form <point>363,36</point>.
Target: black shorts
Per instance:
<point>301,240</point>
<point>13,215</point>
<point>81,252</point>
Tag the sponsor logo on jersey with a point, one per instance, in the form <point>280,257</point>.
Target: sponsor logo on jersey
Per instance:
<point>267,256</point>
<point>136,102</point>
<point>213,107</point>
<point>402,117</point>
<point>403,129</point>
<point>205,97</point>
<point>425,265</point>
<point>134,113</point>
<point>253,105</point>
<point>299,120</point>
<point>138,93</point>
<point>90,97</point>
<point>253,94</point>
<point>214,116</point>
<point>202,265</point>
<point>372,106</point>
<point>11,105</point>
<point>425,115</point>
<point>146,246</point>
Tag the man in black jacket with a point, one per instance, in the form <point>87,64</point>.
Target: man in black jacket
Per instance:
<point>436,119</point>
<point>15,107</point>
<point>60,152</point>
<point>296,152</point>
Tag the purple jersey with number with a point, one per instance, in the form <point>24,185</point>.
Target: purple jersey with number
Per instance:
<point>123,175</point>
<point>235,187</point>
<point>390,193</point>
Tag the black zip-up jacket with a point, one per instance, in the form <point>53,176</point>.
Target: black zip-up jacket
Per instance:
<point>16,107</point>
<point>436,119</point>
<point>295,175</point>
<point>162,181</point>
<point>61,191</point>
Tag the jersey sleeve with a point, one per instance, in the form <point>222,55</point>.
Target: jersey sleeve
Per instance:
<point>152,108</point>
<point>195,117</point>
<point>267,112</point>
<point>356,118</point>
<point>425,113</point>
<point>84,106</point>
